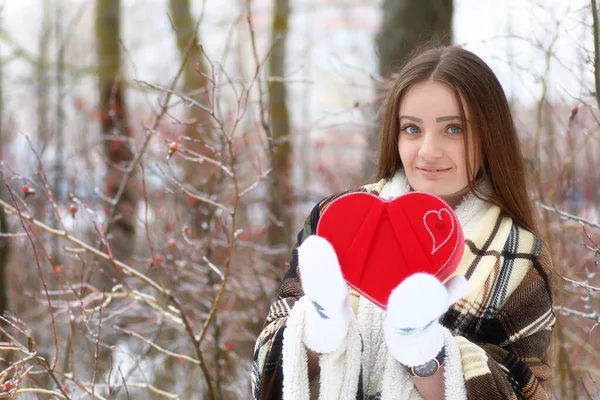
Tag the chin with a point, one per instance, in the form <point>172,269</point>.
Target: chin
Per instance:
<point>432,188</point>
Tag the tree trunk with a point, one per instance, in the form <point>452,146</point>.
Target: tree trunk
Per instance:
<point>195,84</point>
<point>409,24</point>
<point>4,252</point>
<point>116,131</point>
<point>58,176</point>
<point>281,192</point>
<point>406,25</point>
<point>4,248</point>
<point>202,177</point>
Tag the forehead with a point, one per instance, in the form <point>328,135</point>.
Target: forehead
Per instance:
<point>430,98</point>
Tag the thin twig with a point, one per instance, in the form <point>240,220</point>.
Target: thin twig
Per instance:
<point>596,31</point>
<point>567,215</point>
<point>40,391</point>
<point>97,353</point>
<point>124,383</point>
<point>583,285</point>
<point>157,347</point>
<point>569,311</point>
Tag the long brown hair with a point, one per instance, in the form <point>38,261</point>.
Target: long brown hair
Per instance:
<point>473,82</point>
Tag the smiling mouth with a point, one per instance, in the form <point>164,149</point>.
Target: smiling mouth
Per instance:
<point>433,169</point>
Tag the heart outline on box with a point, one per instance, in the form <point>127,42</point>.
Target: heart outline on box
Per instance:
<point>438,213</point>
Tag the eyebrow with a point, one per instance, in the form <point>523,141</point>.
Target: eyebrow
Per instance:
<point>419,120</point>
<point>440,119</point>
<point>448,118</point>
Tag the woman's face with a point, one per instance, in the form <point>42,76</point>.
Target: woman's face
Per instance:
<point>431,137</point>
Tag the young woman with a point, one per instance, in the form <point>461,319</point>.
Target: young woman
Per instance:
<point>448,131</point>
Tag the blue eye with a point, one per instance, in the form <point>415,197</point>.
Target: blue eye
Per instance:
<point>454,129</point>
<point>410,129</point>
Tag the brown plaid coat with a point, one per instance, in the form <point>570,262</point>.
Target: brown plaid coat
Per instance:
<point>502,329</point>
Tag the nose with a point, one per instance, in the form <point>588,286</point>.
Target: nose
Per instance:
<point>430,147</point>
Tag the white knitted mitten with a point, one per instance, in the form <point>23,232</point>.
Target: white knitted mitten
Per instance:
<point>411,328</point>
<point>327,322</point>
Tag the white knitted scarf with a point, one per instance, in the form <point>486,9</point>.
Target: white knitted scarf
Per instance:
<point>365,344</point>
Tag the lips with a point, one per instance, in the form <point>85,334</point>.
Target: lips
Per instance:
<point>433,169</point>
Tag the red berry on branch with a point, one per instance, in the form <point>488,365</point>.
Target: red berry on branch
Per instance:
<point>73,208</point>
<point>170,226</point>
<point>191,201</point>
<point>159,259</point>
<point>173,146</point>
<point>114,146</point>
<point>80,103</point>
<point>186,229</point>
<point>574,112</point>
<point>27,191</point>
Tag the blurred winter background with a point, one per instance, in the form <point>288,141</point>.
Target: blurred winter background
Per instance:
<point>159,156</point>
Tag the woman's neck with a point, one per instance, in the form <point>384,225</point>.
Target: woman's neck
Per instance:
<point>454,199</point>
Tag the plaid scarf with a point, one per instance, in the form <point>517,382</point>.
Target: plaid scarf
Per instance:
<point>501,328</point>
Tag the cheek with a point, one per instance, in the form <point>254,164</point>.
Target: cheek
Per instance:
<point>400,147</point>
<point>455,151</point>
<point>475,158</point>
<point>405,151</point>
<point>463,157</point>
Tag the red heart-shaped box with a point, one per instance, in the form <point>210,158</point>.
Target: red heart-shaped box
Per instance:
<point>379,243</point>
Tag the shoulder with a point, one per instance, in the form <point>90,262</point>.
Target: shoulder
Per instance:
<point>522,240</point>
<point>527,256</point>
